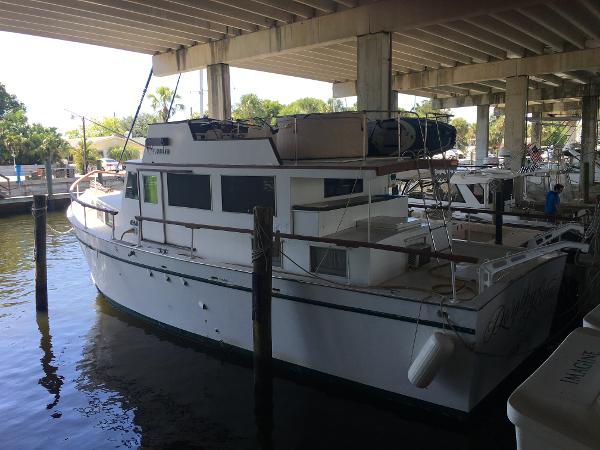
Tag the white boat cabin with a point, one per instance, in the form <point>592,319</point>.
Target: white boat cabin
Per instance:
<point>190,174</point>
<point>477,189</point>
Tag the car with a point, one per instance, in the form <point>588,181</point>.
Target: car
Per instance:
<point>109,164</point>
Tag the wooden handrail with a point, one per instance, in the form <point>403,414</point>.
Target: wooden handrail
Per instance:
<point>339,242</point>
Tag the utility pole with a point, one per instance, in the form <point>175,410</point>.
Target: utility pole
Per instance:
<point>85,162</point>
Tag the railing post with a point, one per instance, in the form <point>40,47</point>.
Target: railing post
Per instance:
<point>192,244</point>
<point>99,167</point>
<point>41,284</point>
<point>262,250</point>
<point>84,217</point>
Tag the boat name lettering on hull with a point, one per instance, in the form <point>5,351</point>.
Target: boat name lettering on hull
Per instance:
<point>519,311</point>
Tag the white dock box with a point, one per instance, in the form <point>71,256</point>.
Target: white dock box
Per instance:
<point>592,319</point>
<point>558,407</point>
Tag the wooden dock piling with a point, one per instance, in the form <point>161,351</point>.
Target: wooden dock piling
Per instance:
<point>39,209</point>
<point>262,251</point>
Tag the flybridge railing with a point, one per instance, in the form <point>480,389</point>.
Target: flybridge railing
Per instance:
<point>337,242</point>
<point>74,194</point>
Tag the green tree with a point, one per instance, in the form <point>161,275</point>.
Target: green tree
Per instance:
<point>306,105</point>
<point>14,133</point>
<point>106,126</point>
<point>47,144</point>
<point>426,107</point>
<point>129,153</point>
<point>250,106</point>
<point>496,132</point>
<point>160,101</point>
<point>340,106</point>
<point>77,153</point>
<point>8,102</point>
<point>464,132</point>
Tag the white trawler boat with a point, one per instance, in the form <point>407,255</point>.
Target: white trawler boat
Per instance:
<point>376,309</point>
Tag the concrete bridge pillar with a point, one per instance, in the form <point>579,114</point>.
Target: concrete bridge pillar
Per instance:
<point>482,133</point>
<point>374,72</point>
<point>219,91</point>
<point>515,126</point>
<point>589,133</point>
<point>536,128</point>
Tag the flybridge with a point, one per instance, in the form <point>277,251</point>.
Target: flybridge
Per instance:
<point>337,140</point>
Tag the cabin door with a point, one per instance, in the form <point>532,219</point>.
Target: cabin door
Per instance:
<point>152,205</point>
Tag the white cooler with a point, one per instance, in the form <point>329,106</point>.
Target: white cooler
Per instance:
<point>592,319</point>
<point>558,407</point>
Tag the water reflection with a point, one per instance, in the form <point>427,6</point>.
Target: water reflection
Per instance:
<point>185,395</point>
<point>120,383</point>
<point>51,381</point>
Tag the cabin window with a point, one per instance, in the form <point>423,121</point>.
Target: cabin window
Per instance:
<point>456,194</point>
<point>189,190</point>
<point>478,192</point>
<point>131,188</point>
<point>342,186</point>
<point>242,193</point>
<point>150,189</point>
<point>328,261</point>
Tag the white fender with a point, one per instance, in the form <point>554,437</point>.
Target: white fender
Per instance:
<point>430,359</point>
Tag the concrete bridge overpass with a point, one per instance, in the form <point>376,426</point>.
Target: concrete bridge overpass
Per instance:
<point>525,55</point>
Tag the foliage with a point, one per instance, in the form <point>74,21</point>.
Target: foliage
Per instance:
<point>555,133</point>
<point>111,125</point>
<point>496,132</point>
<point>426,107</point>
<point>14,133</point>
<point>49,144</point>
<point>250,106</point>
<point>306,105</point>
<point>91,153</point>
<point>8,102</point>
<point>160,101</point>
<point>465,131</point>
<point>129,153</point>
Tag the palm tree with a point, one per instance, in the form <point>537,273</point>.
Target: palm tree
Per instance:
<point>161,100</point>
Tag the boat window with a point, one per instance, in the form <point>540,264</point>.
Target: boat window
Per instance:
<point>456,194</point>
<point>478,192</point>
<point>150,189</point>
<point>328,261</point>
<point>131,188</point>
<point>342,186</point>
<point>188,190</point>
<point>242,193</point>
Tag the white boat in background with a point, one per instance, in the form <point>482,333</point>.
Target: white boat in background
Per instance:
<point>361,291</point>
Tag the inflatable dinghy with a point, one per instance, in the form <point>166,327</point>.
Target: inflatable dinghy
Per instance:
<point>383,137</point>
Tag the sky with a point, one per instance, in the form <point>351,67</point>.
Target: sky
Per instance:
<point>51,76</point>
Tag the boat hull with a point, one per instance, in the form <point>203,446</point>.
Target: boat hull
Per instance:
<point>362,337</point>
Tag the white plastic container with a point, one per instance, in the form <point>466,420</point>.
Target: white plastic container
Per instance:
<point>557,408</point>
<point>592,319</point>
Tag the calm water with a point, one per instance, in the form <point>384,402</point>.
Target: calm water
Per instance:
<point>87,376</point>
